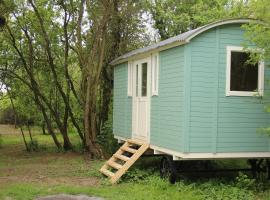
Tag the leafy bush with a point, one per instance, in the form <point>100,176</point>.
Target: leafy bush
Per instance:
<point>214,191</point>
<point>244,182</point>
<point>34,146</point>
<point>137,175</point>
<point>7,116</point>
<point>79,147</point>
<point>106,139</point>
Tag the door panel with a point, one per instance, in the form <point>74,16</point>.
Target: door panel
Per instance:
<point>141,100</point>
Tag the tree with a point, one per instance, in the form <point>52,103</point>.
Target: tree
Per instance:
<point>32,59</point>
<point>109,36</point>
<point>259,33</point>
<point>59,53</point>
<point>174,17</point>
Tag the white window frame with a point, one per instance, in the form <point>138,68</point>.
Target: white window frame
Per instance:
<point>130,79</point>
<point>155,74</point>
<point>228,75</point>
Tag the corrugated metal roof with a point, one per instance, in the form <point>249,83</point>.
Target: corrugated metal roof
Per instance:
<point>182,38</point>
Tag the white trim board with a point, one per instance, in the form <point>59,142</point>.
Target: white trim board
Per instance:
<point>202,156</point>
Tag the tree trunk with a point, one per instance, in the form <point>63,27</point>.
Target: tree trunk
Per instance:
<point>24,140</point>
<point>43,129</point>
<point>30,133</point>
<point>90,124</point>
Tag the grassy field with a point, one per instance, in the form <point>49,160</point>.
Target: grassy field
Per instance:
<point>28,175</point>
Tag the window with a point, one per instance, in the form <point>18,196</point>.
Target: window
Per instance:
<point>130,79</point>
<point>155,74</point>
<point>243,78</point>
<point>144,79</point>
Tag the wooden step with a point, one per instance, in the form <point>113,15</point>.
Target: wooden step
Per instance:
<point>114,164</point>
<point>128,149</point>
<point>107,172</point>
<point>121,157</point>
<point>135,142</point>
<point>121,169</point>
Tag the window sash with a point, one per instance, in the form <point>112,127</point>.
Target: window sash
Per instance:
<point>228,75</point>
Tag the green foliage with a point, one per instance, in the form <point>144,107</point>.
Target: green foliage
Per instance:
<point>244,182</point>
<point>106,138</point>
<point>217,190</point>
<point>34,146</point>
<point>79,147</point>
<point>6,111</point>
<point>137,175</point>
<point>141,182</point>
<point>259,33</point>
<point>7,116</point>
<point>1,141</point>
<point>174,17</point>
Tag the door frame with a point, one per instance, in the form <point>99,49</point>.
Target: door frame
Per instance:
<point>149,79</point>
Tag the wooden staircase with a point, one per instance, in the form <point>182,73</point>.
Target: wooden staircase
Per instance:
<point>123,159</point>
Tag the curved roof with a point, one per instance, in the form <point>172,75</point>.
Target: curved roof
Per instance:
<point>177,40</point>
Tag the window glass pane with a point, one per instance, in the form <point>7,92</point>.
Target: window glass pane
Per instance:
<point>144,79</point>
<point>137,79</point>
<point>244,76</point>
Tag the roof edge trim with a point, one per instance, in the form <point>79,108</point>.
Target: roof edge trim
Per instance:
<point>218,23</point>
<point>176,42</point>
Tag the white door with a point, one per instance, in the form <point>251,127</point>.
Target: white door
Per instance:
<point>141,99</point>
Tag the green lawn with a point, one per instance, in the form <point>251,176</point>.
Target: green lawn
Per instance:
<point>28,175</point>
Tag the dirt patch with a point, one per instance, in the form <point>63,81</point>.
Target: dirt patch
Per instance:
<point>50,168</point>
<point>71,181</point>
<point>68,197</point>
<point>8,130</point>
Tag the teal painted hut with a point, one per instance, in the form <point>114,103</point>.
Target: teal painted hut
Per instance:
<point>194,96</point>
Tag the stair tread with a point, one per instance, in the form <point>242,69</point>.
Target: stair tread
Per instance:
<point>134,142</point>
<point>121,169</point>
<point>114,164</point>
<point>107,172</point>
<point>128,149</point>
<point>122,157</point>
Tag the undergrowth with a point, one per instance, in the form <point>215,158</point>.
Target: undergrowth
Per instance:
<point>1,141</point>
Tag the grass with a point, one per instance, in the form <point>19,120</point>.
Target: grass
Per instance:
<point>28,175</point>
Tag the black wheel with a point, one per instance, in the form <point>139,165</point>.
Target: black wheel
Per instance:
<point>268,168</point>
<point>168,169</point>
<point>253,165</point>
<point>260,167</point>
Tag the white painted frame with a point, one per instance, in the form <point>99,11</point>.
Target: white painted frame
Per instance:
<point>202,156</point>
<point>228,75</point>
<point>155,73</point>
<point>130,79</point>
<point>149,77</point>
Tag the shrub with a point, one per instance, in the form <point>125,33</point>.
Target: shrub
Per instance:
<point>244,182</point>
<point>7,116</point>
<point>34,146</point>
<point>106,139</point>
<point>224,191</point>
<point>137,175</point>
<point>79,147</point>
